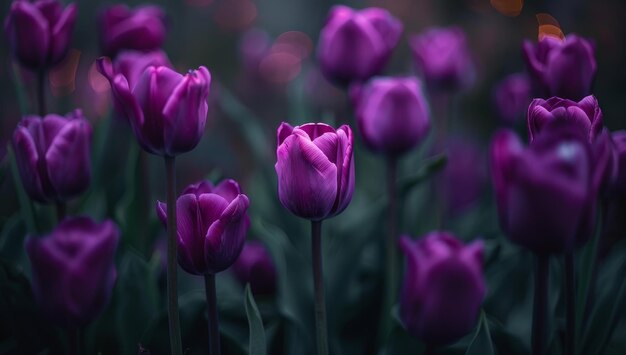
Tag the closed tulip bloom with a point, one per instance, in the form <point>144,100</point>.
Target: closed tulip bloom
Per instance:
<point>166,110</point>
<point>53,156</point>
<point>544,193</point>
<point>512,96</point>
<point>444,287</point>
<point>443,58</point>
<point>619,141</point>
<point>315,169</point>
<point>212,226</point>
<point>563,68</point>
<point>255,266</point>
<point>73,270</point>
<point>141,29</point>
<point>392,114</point>
<point>355,45</point>
<point>40,31</point>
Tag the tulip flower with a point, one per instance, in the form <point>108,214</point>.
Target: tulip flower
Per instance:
<point>512,96</point>
<point>563,68</point>
<point>141,29</point>
<point>355,45</point>
<point>53,156</point>
<point>73,270</point>
<point>444,287</point>
<point>619,140</point>
<point>40,31</point>
<point>392,114</point>
<point>255,266</point>
<point>443,58</point>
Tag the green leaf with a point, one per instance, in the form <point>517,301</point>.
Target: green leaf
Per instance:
<point>258,345</point>
<point>481,344</point>
<point>428,167</point>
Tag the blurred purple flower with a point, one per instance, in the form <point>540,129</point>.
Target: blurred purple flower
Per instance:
<point>212,226</point>
<point>512,96</point>
<point>392,114</point>
<point>255,266</point>
<point>73,270</point>
<point>619,147</point>
<point>315,169</point>
<point>465,174</point>
<point>563,68</point>
<point>53,156</point>
<point>141,29</point>
<point>355,45</point>
<point>443,58</point>
<point>166,110</point>
<point>444,287</point>
<point>254,46</point>
<point>39,31</point>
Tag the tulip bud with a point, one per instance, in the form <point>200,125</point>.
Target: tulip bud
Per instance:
<point>255,266</point>
<point>511,97</point>
<point>166,110</point>
<point>73,270</point>
<point>315,169</point>
<point>212,226</point>
<point>444,287</point>
<point>563,68</point>
<point>392,114</point>
<point>142,29</point>
<point>40,31</point>
<point>443,58</point>
<point>53,156</point>
<point>356,45</point>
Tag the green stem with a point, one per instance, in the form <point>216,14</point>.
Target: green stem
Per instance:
<point>214,327</point>
<point>540,305</point>
<point>570,304</point>
<point>391,250</point>
<point>318,284</point>
<point>172,280</point>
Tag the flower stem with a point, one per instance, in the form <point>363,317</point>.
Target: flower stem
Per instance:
<point>41,92</point>
<point>542,270</point>
<point>570,305</point>
<point>391,270</point>
<point>318,284</point>
<point>61,209</point>
<point>214,325</point>
<point>172,280</point>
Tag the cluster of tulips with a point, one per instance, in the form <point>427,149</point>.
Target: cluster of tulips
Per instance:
<point>549,194</point>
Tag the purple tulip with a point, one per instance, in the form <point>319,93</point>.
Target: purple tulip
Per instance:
<point>443,58</point>
<point>512,96</point>
<point>166,110</point>
<point>544,194</point>
<point>212,226</point>
<point>40,31</point>
<point>53,156</point>
<point>73,270</point>
<point>255,266</point>
<point>315,169</point>
<point>142,29</point>
<point>563,68</point>
<point>443,288</point>
<point>355,45</point>
<point>619,147</point>
<point>392,114</point>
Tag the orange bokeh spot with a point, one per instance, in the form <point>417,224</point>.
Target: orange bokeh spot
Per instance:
<point>63,77</point>
<point>509,8</point>
<point>549,26</point>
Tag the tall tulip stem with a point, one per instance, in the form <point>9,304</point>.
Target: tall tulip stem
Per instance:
<point>391,250</point>
<point>542,270</point>
<point>41,92</point>
<point>318,285</point>
<point>172,280</point>
<point>214,325</point>
<point>570,305</point>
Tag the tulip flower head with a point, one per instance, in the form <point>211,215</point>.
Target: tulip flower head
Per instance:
<point>140,29</point>
<point>53,156</point>
<point>315,169</point>
<point>619,140</point>
<point>512,96</point>
<point>73,270</point>
<point>255,266</point>
<point>212,226</point>
<point>444,287</point>
<point>40,31</point>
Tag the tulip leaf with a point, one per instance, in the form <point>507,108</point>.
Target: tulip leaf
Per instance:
<point>257,342</point>
<point>429,167</point>
<point>481,344</point>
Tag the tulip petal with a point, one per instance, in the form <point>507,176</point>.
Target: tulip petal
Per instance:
<point>226,236</point>
<point>228,189</point>
<point>161,210</point>
<point>28,32</point>
<point>284,131</point>
<point>27,158</point>
<point>62,34</point>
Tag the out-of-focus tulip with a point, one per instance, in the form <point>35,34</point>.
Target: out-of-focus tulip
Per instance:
<point>443,58</point>
<point>563,68</point>
<point>544,194</point>
<point>40,31</point>
<point>255,266</point>
<point>141,29</point>
<point>443,288</point>
<point>465,174</point>
<point>512,96</point>
<point>619,144</point>
<point>356,45</point>
<point>315,169</point>
<point>392,114</point>
<point>73,270</point>
<point>54,156</point>
<point>166,110</point>
<point>212,226</point>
